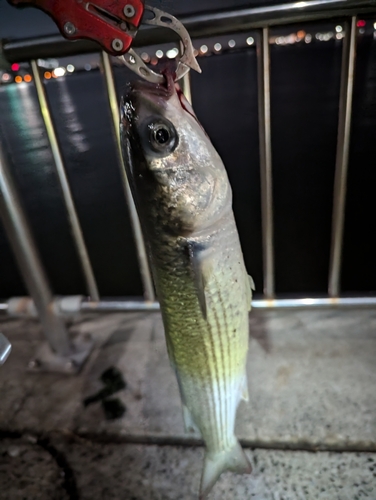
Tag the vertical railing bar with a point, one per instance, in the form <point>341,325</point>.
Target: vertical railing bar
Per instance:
<point>263,54</point>
<point>79,241</point>
<point>342,158</point>
<point>29,262</point>
<point>137,231</point>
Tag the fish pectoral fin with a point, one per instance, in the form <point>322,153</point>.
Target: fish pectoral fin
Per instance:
<point>189,424</point>
<point>201,267</point>
<point>234,460</point>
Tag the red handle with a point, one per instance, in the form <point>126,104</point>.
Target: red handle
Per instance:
<point>111,23</point>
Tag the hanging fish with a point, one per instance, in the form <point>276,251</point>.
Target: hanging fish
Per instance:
<point>184,202</point>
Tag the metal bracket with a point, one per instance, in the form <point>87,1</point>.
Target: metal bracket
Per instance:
<point>46,360</point>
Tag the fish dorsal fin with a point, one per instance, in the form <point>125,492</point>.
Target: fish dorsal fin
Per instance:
<point>201,268</point>
<point>250,285</point>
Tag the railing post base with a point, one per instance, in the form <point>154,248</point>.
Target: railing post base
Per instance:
<point>45,360</point>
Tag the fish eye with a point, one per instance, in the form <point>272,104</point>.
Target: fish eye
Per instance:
<point>162,137</point>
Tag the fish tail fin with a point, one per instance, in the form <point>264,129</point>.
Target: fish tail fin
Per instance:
<point>233,459</point>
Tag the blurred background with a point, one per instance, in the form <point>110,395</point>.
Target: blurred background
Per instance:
<point>305,90</point>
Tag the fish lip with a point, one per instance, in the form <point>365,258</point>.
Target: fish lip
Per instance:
<point>151,90</point>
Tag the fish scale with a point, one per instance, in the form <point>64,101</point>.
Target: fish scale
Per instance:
<point>189,335</point>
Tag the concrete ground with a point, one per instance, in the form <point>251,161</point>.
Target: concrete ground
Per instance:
<point>116,431</point>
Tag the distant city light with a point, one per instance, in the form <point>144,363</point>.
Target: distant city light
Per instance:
<point>70,68</point>
<point>87,67</point>
<point>301,34</point>
<point>231,43</point>
<point>145,57</point>
<point>47,75</point>
<point>361,23</point>
<point>339,29</point>
<point>159,54</point>
<point>15,67</point>
<point>18,79</point>
<point>58,72</point>
<point>374,26</point>
<point>339,36</point>
<point>217,47</point>
<point>324,37</point>
<point>28,78</point>
<point>250,40</point>
<point>362,31</point>
<point>204,49</point>
<point>308,38</point>
<point>6,77</point>
<point>154,61</point>
<point>172,53</point>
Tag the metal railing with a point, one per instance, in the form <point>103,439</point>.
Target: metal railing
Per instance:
<point>202,25</point>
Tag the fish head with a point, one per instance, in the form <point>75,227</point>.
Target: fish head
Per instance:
<point>177,177</point>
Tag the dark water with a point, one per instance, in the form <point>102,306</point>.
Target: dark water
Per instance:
<point>304,98</point>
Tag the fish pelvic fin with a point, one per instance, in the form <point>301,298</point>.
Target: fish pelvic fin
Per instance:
<point>234,460</point>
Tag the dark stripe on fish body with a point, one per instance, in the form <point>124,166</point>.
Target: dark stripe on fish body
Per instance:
<point>223,401</point>
<point>218,422</point>
<point>212,408</point>
<point>229,372</point>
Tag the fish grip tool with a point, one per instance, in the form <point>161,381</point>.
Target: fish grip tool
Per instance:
<point>113,24</point>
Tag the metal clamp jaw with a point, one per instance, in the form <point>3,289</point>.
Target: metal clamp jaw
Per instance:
<point>113,25</point>
<point>186,62</point>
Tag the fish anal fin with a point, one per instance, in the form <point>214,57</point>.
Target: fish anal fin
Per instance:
<point>234,460</point>
<point>244,390</point>
<point>189,424</point>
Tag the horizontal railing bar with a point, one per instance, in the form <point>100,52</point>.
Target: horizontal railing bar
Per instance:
<point>23,307</point>
<point>201,25</point>
<point>113,306</point>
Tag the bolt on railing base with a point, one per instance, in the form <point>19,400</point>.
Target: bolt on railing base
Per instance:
<point>45,360</point>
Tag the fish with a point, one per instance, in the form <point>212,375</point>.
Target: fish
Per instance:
<point>184,202</point>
